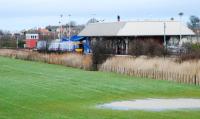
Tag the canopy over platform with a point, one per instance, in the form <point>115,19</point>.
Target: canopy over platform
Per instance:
<point>74,38</point>
<point>77,38</point>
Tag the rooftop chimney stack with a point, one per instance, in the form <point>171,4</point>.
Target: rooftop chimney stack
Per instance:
<point>118,18</point>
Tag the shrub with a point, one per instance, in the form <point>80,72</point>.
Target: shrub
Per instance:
<point>148,48</point>
<point>136,48</point>
<point>21,44</point>
<point>192,52</point>
<point>99,54</point>
<point>195,46</point>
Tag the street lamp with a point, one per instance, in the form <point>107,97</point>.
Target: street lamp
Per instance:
<point>60,22</point>
<point>60,29</point>
<point>69,26</point>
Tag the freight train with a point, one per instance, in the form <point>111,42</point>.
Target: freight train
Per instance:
<point>74,44</point>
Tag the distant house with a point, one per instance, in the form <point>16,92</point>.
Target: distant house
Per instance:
<point>120,34</point>
<point>44,32</point>
<point>31,40</point>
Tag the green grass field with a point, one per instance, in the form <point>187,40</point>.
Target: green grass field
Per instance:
<point>31,90</point>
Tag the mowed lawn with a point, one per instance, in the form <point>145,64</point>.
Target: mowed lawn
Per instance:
<point>32,90</point>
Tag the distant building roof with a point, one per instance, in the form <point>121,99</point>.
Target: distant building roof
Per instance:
<point>136,28</point>
<point>43,30</point>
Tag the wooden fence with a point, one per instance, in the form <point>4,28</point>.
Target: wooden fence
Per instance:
<point>155,74</point>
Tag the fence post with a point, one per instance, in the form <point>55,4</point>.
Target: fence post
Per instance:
<point>195,79</point>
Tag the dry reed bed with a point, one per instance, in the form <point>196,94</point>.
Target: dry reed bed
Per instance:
<point>70,60</point>
<point>156,68</point>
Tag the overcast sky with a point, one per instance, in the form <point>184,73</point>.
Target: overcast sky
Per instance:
<point>24,14</point>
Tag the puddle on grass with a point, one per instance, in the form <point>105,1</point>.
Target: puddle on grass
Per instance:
<point>153,104</point>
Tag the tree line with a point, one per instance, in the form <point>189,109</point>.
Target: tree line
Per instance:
<point>9,40</point>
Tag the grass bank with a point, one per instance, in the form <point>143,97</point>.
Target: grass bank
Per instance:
<point>156,68</point>
<point>33,90</point>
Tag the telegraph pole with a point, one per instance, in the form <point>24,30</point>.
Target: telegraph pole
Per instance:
<point>165,42</point>
<point>181,15</point>
<point>59,30</point>
<point>61,16</point>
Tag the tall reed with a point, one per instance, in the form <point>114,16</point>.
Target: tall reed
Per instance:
<point>68,59</point>
<point>159,64</point>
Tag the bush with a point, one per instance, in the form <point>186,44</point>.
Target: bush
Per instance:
<point>192,52</point>
<point>195,46</point>
<point>148,48</point>
<point>21,44</point>
<point>136,48</point>
<point>99,54</point>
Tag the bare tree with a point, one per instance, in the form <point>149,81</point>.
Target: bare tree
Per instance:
<point>93,20</point>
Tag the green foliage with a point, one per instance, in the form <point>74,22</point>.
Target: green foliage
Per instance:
<point>31,90</point>
<point>195,46</point>
<point>21,44</point>
<point>192,52</point>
